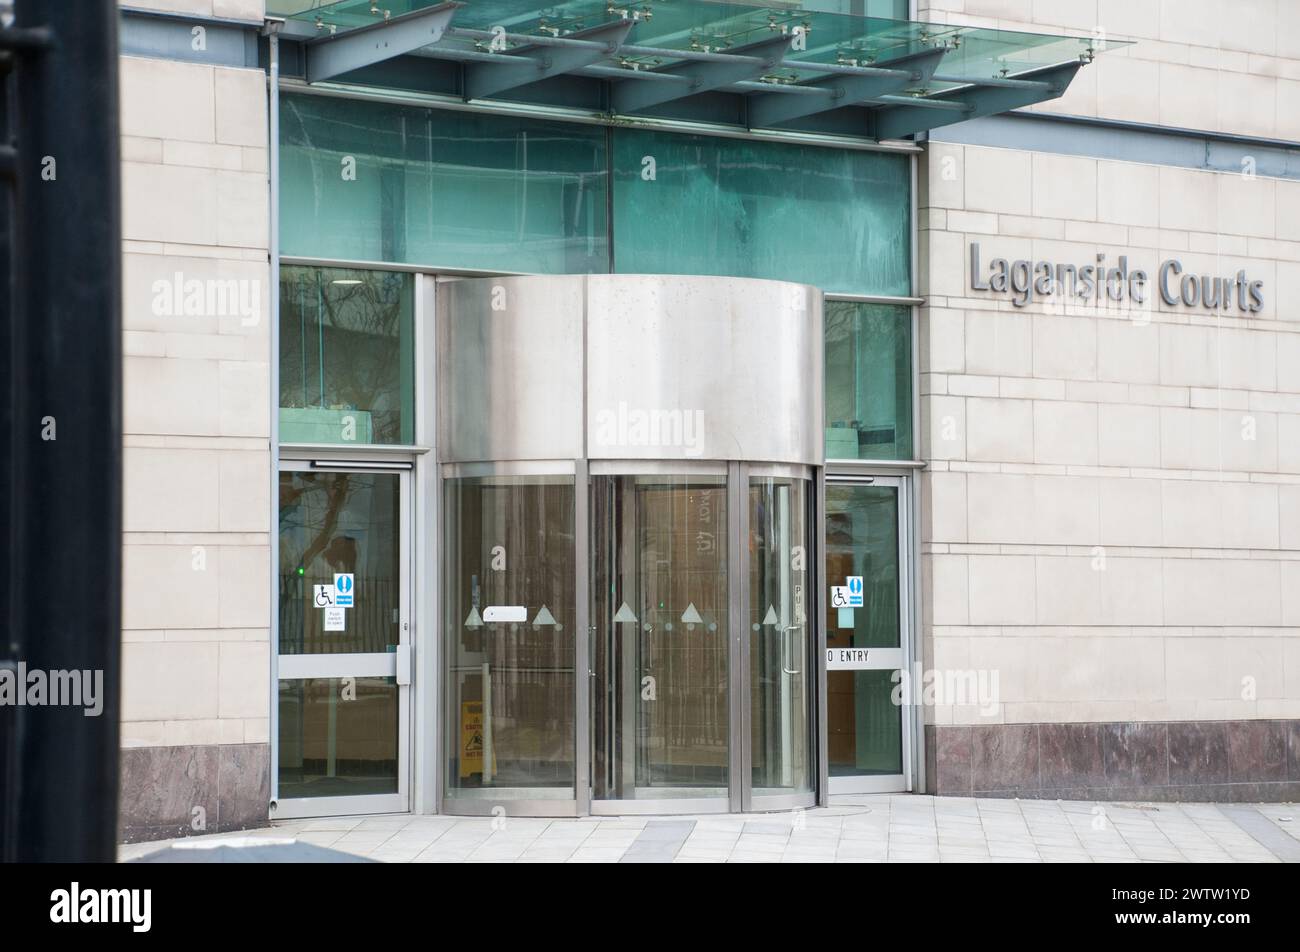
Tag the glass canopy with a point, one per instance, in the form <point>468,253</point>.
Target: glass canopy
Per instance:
<point>751,49</point>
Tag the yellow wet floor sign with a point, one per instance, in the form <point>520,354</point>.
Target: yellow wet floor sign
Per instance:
<point>471,739</point>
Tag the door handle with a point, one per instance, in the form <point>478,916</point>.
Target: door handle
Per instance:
<point>403,665</point>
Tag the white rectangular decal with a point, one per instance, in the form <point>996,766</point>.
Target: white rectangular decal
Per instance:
<point>505,613</point>
<point>846,659</point>
<point>322,596</point>
<point>335,618</point>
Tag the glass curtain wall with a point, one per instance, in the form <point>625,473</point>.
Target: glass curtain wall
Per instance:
<point>347,363</point>
<point>868,381</point>
<point>838,219</point>
<point>380,182</point>
<point>370,181</point>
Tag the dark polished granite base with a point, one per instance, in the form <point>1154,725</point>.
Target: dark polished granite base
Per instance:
<point>185,791</point>
<point>1228,761</point>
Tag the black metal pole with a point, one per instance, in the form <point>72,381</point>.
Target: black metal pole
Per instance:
<point>60,483</point>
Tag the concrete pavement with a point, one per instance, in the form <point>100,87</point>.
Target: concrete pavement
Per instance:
<point>854,829</point>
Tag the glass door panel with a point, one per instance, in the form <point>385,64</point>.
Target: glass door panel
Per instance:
<point>508,638</point>
<point>864,643</point>
<point>333,523</point>
<point>343,622</point>
<point>779,660</point>
<point>660,634</point>
<point>338,737</point>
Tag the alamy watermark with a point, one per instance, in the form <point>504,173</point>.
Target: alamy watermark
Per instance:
<point>953,687</point>
<point>77,905</point>
<point>627,426</point>
<point>24,687</point>
<point>178,296</point>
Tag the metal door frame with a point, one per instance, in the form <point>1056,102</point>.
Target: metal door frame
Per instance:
<point>803,799</point>
<point>739,797</point>
<point>398,665</point>
<point>727,801</point>
<point>865,473</point>
<point>490,801</point>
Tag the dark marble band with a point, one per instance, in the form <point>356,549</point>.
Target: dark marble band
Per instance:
<point>182,791</point>
<point>185,791</point>
<point>1223,761</point>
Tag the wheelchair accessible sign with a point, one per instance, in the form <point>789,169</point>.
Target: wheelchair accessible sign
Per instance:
<point>847,596</point>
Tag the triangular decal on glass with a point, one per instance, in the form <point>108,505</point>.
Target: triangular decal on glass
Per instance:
<point>691,616</point>
<point>770,618</point>
<point>544,617</point>
<point>474,620</point>
<point>624,613</point>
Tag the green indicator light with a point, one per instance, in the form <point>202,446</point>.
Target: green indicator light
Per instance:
<point>301,570</point>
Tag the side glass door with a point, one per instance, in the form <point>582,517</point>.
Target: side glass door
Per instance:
<point>342,736</point>
<point>865,638</point>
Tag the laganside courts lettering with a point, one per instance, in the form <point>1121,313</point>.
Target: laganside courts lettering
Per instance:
<point>1099,281</point>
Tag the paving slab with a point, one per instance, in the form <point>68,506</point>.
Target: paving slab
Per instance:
<point>861,828</point>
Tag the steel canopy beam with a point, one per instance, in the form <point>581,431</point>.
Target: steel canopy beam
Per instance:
<point>994,81</point>
<point>752,60</point>
<point>843,89</point>
<point>978,99</point>
<point>920,102</point>
<point>554,57</point>
<point>333,55</point>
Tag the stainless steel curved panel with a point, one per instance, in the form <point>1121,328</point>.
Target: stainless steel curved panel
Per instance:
<point>507,469</point>
<point>657,467</point>
<point>703,368</point>
<point>780,471</point>
<point>675,368</point>
<point>510,368</point>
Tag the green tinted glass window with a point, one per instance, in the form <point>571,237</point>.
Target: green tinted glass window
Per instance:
<point>367,181</point>
<point>347,371</point>
<point>868,381</point>
<point>834,218</point>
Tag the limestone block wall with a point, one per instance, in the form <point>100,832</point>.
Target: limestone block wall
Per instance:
<point>1111,511</point>
<point>196,606</point>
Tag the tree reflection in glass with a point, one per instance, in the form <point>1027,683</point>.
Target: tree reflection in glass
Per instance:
<point>346,356</point>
